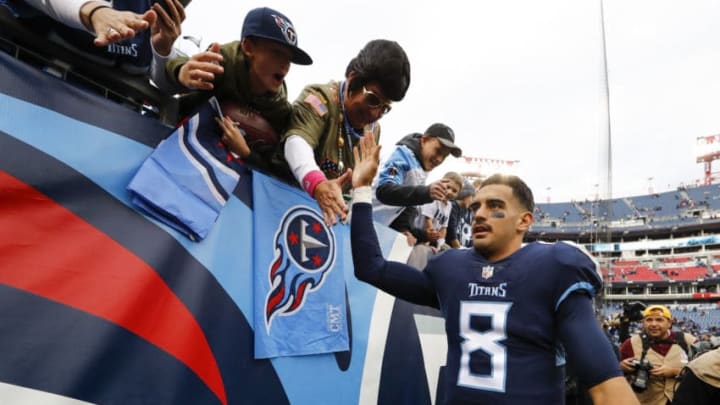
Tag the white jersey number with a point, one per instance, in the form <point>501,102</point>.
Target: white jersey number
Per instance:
<point>486,341</point>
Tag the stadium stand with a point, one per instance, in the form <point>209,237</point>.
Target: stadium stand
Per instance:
<point>658,248</point>
<point>681,211</point>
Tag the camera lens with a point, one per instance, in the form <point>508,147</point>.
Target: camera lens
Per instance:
<point>639,382</point>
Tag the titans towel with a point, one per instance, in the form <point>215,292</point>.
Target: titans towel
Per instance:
<point>184,183</point>
<point>299,285</point>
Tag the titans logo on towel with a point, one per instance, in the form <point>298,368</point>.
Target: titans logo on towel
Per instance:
<point>304,255</point>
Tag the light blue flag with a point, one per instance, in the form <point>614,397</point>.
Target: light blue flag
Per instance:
<point>187,180</point>
<point>299,286</point>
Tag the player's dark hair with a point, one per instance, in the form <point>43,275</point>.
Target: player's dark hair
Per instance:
<point>384,62</point>
<point>520,190</point>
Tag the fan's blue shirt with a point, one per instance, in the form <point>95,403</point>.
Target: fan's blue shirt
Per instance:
<point>505,321</point>
<point>403,169</point>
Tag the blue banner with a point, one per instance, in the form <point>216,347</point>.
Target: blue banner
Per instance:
<point>299,283</point>
<point>104,304</point>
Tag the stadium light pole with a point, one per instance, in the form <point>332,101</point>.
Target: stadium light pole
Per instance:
<point>608,129</point>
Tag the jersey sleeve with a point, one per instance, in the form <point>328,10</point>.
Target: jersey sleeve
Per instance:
<point>398,279</point>
<point>391,187</point>
<point>588,349</point>
<point>394,169</point>
<point>575,272</point>
<point>172,68</point>
<point>65,11</point>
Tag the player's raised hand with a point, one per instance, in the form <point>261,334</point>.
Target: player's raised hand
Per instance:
<point>367,159</point>
<point>199,71</point>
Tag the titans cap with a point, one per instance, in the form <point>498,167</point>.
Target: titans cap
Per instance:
<point>446,136</point>
<point>273,25</point>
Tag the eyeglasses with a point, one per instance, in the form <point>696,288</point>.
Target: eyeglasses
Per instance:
<point>373,101</point>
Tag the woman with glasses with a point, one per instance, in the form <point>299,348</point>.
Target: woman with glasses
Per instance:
<point>329,119</point>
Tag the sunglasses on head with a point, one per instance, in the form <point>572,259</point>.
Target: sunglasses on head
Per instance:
<point>373,101</point>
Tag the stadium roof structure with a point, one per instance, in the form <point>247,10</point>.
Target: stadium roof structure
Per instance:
<point>673,213</point>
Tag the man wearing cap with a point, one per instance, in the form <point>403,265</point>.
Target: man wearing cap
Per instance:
<point>662,347</point>
<point>400,184</point>
<point>250,72</point>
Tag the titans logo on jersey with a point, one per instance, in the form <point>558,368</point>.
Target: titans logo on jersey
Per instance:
<point>304,255</point>
<point>500,320</point>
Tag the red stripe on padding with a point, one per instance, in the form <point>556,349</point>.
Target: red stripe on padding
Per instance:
<point>47,250</point>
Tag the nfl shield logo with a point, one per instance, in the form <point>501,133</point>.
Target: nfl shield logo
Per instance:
<point>487,271</point>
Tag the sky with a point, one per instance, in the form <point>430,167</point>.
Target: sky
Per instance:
<point>524,81</point>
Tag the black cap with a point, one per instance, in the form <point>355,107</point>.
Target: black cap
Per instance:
<point>446,136</point>
<point>271,24</point>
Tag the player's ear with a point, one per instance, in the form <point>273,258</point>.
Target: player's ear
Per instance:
<point>524,222</point>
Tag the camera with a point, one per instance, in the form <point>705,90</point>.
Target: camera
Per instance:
<point>633,311</point>
<point>642,375</point>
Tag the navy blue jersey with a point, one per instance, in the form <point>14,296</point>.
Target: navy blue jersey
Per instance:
<point>500,320</point>
<point>503,320</point>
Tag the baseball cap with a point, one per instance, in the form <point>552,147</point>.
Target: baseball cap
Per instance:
<point>446,136</point>
<point>652,308</point>
<point>270,24</point>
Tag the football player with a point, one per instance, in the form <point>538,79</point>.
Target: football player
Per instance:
<point>511,310</point>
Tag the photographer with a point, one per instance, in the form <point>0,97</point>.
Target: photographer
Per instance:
<point>652,359</point>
